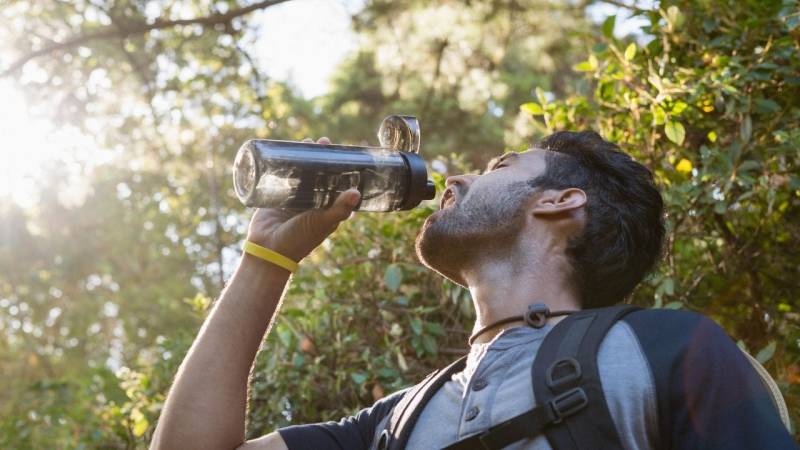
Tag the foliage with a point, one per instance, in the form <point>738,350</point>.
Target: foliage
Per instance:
<point>104,283</point>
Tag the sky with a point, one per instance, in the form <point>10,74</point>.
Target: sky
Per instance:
<point>304,40</point>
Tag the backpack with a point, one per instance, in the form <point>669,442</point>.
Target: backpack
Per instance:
<point>571,407</point>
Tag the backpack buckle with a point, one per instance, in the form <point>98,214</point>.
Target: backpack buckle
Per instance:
<point>569,370</point>
<point>567,404</point>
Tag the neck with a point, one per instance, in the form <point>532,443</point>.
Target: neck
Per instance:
<point>503,287</point>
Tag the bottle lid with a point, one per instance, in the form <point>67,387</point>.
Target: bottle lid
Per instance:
<point>400,133</point>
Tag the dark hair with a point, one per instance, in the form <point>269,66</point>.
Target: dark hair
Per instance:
<point>624,232</point>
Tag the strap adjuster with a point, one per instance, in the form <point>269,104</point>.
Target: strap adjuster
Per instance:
<point>567,404</point>
<point>573,372</point>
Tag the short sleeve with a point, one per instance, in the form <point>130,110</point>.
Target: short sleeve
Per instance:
<point>351,433</point>
<point>709,396</point>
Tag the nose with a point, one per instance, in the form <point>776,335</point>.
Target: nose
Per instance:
<point>463,180</point>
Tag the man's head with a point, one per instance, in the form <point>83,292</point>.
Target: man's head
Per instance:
<point>573,196</point>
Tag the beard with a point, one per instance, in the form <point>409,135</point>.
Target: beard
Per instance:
<point>482,226</point>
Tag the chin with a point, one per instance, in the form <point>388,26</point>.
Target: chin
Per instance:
<point>439,247</point>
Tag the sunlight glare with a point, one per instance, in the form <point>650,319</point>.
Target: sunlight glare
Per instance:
<point>31,144</point>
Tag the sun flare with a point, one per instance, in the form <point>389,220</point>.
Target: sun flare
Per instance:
<point>30,143</point>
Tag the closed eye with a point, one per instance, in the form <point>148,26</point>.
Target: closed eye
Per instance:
<point>501,162</point>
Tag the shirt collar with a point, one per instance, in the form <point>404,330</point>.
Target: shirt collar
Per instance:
<point>512,337</point>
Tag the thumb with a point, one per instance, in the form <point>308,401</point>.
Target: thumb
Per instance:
<point>343,206</point>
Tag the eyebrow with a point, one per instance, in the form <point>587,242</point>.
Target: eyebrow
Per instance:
<point>496,161</point>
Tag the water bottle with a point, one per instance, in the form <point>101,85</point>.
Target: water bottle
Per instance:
<point>300,175</point>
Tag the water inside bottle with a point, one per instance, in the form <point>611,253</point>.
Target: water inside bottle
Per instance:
<point>382,185</point>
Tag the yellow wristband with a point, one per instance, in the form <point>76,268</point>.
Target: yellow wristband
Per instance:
<point>270,256</point>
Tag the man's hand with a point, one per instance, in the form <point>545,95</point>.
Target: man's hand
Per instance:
<point>295,234</point>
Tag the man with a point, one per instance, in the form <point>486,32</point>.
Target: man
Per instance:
<point>572,223</point>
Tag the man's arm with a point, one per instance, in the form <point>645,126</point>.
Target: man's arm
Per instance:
<point>206,406</point>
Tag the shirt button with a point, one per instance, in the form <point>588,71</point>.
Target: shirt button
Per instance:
<point>472,413</point>
<point>479,384</point>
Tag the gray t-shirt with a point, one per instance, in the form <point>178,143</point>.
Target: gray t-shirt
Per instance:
<point>496,386</point>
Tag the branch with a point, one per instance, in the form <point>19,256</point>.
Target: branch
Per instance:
<point>111,32</point>
<point>633,8</point>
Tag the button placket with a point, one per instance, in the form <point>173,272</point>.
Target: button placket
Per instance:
<point>476,407</point>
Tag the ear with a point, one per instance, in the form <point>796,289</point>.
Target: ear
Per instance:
<point>551,202</point>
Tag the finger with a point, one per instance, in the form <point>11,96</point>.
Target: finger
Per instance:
<point>343,206</point>
<point>324,141</point>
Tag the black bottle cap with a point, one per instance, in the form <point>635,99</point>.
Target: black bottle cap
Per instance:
<point>419,187</point>
<point>430,191</point>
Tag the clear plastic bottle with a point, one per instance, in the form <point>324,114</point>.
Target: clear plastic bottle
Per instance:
<point>300,175</point>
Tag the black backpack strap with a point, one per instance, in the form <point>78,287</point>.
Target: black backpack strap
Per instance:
<point>405,413</point>
<point>566,365</point>
<point>571,408</point>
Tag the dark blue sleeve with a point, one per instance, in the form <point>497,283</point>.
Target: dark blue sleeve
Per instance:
<point>351,433</point>
<point>709,396</point>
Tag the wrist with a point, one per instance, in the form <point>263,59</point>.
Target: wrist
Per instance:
<point>281,247</point>
<point>270,256</point>
<point>259,273</point>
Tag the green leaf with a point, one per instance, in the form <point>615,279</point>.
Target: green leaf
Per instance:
<point>765,105</point>
<point>766,353</point>
<point>540,95</point>
<point>749,165</point>
<point>401,361</point>
<point>416,325</point>
<point>608,26</point>
<point>673,305</point>
<point>675,17</point>
<point>393,277</point>
<point>358,378</point>
<point>140,423</point>
<point>388,372</point>
<point>630,52</point>
<point>669,286</point>
<point>678,107</point>
<point>532,108</point>
<point>746,129</point>
<point>659,116</point>
<point>429,344</point>
<point>590,65</point>
<point>675,131</point>
<point>434,328</point>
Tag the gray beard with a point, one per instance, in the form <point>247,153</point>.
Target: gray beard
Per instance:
<point>480,228</point>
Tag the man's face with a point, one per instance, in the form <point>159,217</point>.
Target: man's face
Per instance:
<point>480,215</point>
